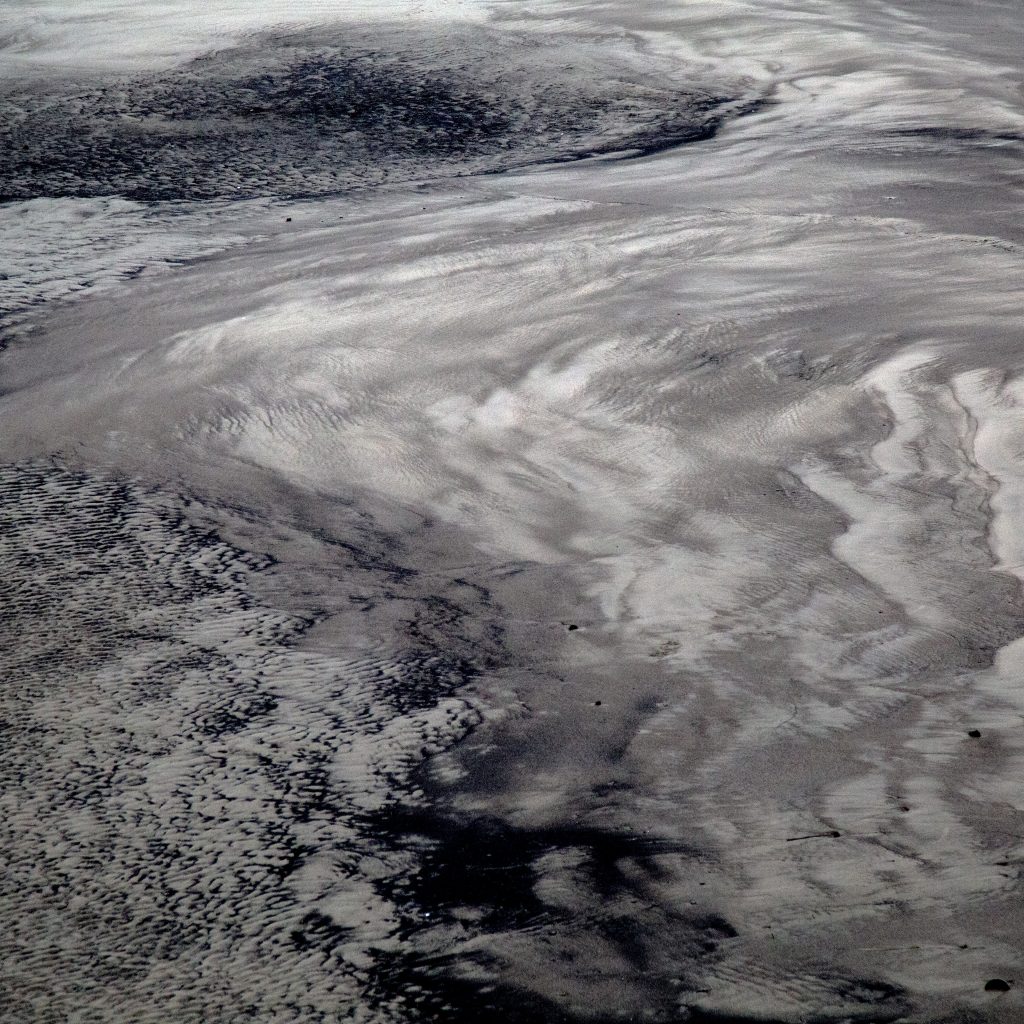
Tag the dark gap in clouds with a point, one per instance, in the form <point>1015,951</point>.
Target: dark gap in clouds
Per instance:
<point>983,136</point>
<point>325,111</point>
<point>485,876</point>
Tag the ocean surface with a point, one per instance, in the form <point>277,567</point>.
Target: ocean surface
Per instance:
<point>511,512</point>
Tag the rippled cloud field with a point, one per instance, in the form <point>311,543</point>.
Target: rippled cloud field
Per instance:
<point>511,512</point>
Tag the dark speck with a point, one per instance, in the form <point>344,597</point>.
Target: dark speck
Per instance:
<point>997,985</point>
<point>975,734</point>
<point>572,626</point>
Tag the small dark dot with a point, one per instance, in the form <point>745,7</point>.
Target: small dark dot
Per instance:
<point>974,734</point>
<point>597,703</point>
<point>997,985</point>
<point>288,220</point>
<point>904,808</point>
<point>572,626</point>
